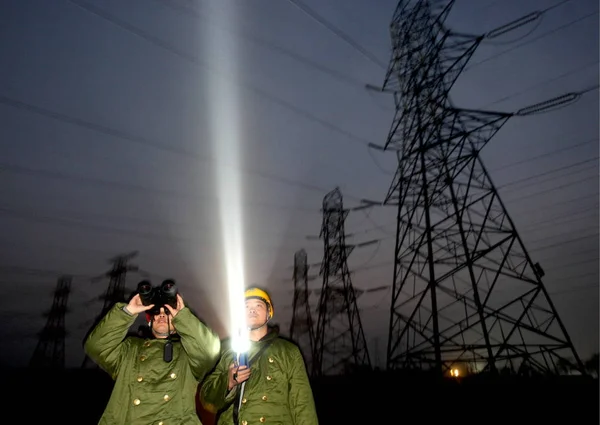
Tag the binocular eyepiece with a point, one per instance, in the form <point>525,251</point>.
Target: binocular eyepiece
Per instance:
<point>160,296</point>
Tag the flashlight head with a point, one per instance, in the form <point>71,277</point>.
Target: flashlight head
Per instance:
<point>242,358</point>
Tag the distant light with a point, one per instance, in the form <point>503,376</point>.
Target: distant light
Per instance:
<point>455,373</point>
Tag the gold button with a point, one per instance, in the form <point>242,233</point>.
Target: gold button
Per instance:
<point>173,375</point>
<point>264,398</point>
<point>140,379</point>
<point>161,423</point>
<point>136,401</point>
<point>147,344</point>
<point>142,358</point>
<point>244,400</point>
<point>167,397</point>
<point>244,422</point>
<point>262,419</point>
<point>269,378</point>
<point>271,360</point>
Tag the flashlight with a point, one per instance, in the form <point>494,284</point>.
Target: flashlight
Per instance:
<point>242,358</point>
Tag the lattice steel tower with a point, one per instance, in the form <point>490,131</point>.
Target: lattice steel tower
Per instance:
<point>301,328</point>
<point>465,291</point>
<point>50,350</point>
<point>116,286</point>
<point>340,343</point>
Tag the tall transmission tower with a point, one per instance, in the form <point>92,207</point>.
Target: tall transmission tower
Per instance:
<point>50,350</point>
<point>339,338</point>
<point>301,327</point>
<point>116,286</point>
<point>465,290</point>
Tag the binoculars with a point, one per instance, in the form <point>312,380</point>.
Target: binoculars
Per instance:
<point>160,296</point>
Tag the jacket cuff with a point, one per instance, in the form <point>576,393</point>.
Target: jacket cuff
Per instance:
<point>124,308</point>
<point>119,309</point>
<point>184,314</point>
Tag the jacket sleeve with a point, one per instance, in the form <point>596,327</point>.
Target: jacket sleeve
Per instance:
<point>106,344</point>
<point>214,395</point>
<point>201,344</point>
<point>302,404</point>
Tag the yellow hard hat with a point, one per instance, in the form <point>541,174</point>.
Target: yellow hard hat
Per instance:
<point>262,295</point>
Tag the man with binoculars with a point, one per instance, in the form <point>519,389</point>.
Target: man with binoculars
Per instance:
<point>156,378</point>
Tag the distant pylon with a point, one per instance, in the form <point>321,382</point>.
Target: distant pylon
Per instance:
<point>301,328</point>
<point>340,343</point>
<point>50,350</point>
<point>116,287</point>
<point>466,293</point>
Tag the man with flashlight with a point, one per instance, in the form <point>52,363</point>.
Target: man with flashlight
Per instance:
<point>273,387</point>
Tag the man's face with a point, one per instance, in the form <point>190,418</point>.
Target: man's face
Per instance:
<point>256,313</point>
<point>161,324</point>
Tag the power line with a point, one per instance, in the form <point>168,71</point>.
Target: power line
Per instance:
<point>541,192</point>
<point>221,73</point>
<point>390,262</point>
<point>561,243</point>
<point>164,45</point>
<point>389,230</point>
<point>129,187</point>
<point>550,179</point>
<point>338,32</point>
<point>539,37</point>
<point>568,201</point>
<point>71,222</point>
<point>70,249</point>
<point>520,181</point>
<point>40,272</point>
<point>561,235</point>
<point>544,155</point>
<point>282,50</point>
<point>541,84</point>
<point>545,173</point>
<point>581,288</point>
<point>516,94</point>
<point>537,15</point>
<point>378,304</point>
<point>578,253</point>
<point>495,2</point>
<point>34,216</point>
<point>319,188</point>
<point>540,224</point>
<point>18,104</point>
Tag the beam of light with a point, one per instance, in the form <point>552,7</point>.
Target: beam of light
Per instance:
<point>224,109</point>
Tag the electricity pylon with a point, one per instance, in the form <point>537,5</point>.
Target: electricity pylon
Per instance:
<point>465,290</point>
<point>301,328</point>
<point>116,286</point>
<point>50,350</point>
<point>340,342</point>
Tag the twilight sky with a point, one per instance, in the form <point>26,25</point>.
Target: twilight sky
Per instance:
<point>108,145</point>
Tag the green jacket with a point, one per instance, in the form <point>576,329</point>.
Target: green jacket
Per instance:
<point>147,389</point>
<point>278,391</point>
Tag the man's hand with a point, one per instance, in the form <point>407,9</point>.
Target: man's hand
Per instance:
<point>237,375</point>
<point>180,306</point>
<point>135,306</point>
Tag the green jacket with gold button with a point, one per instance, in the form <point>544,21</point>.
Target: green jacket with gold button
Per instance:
<point>278,391</point>
<point>147,389</point>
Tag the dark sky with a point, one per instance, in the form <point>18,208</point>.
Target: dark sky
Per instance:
<point>107,147</point>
